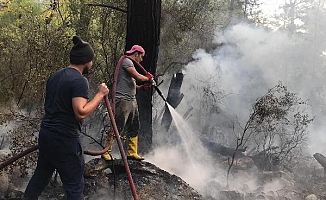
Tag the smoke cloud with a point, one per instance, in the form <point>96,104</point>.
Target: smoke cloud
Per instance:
<point>249,60</point>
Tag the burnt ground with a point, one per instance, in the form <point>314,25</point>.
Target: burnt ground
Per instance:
<point>109,181</point>
<point>151,182</point>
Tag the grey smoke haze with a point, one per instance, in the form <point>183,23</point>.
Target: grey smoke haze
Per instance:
<point>250,61</point>
<point>254,59</point>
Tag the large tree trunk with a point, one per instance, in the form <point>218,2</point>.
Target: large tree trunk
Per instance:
<point>143,28</point>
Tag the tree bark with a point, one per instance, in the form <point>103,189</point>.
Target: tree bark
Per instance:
<point>143,28</point>
<point>322,160</point>
<point>174,98</point>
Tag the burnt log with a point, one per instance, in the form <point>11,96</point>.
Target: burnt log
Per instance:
<point>214,147</point>
<point>266,161</point>
<point>174,98</point>
<point>322,161</point>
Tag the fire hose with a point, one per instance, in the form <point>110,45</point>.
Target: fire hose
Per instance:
<point>92,153</point>
<point>159,92</point>
<point>16,157</point>
<point>123,155</point>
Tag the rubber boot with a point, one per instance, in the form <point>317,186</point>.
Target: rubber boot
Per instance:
<point>107,155</point>
<point>132,149</point>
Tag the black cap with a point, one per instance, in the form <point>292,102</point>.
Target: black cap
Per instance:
<point>81,52</point>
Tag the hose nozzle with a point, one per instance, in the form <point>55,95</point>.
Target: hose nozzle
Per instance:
<point>152,81</point>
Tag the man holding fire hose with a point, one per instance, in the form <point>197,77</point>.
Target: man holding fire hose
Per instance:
<point>66,106</point>
<point>124,99</point>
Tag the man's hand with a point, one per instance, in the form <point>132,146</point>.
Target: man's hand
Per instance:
<point>149,76</point>
<point>103,89</point>
<point>83,108</point>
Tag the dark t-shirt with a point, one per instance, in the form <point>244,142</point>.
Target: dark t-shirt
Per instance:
<point>61,87</point>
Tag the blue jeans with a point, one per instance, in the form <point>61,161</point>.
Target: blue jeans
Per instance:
<point>64,155</point>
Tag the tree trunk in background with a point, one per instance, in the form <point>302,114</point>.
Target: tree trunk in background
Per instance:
<point>84,20</point>
<point>174,98</point>
<point>322,161</point>
<point>143,28</point>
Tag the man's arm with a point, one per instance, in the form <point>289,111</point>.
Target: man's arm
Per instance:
<point>83,109</point>
<point>133,72</point>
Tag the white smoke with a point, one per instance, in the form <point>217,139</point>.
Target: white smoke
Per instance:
<point>249,61</point>
<point>254,59</point>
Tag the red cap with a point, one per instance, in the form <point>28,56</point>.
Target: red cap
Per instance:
<point>136,48</point>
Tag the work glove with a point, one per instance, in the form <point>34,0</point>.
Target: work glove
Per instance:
<point>149,76</point>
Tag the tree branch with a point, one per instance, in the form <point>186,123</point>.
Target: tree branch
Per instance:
<point>106,6</point>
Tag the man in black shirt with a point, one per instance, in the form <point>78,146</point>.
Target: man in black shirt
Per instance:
<point>66,106</point>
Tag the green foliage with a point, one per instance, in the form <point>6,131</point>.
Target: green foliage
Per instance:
<point>107,31</point>
<point>36,40</point>
<point>31,49</point>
